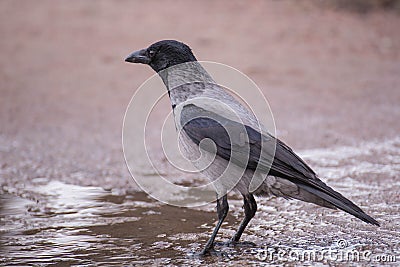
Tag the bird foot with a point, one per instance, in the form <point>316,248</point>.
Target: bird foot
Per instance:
<point>210,252</point>
<point>232,243</point>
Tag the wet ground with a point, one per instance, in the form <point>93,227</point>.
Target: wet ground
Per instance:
<point>331,78</point>
<point>51,222</point>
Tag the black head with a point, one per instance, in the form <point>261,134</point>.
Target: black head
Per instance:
<point>162,55</point>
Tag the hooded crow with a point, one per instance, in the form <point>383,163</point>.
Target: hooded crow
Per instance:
<point>204,110</point>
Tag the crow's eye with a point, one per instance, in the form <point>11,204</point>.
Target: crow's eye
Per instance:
<point>152,53</point>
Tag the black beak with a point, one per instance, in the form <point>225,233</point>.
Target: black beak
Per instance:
<point>138,57</point>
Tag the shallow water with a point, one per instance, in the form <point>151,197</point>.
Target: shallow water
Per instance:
<point>81,225</point>
<point>50,222</point>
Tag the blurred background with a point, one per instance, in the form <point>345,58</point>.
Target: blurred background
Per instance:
<point>329,69</point>
<point>330,74</point>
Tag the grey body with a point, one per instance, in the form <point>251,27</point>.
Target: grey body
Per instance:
<point>189,84</point>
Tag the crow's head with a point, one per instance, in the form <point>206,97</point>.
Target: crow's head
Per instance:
<point>162,55</point>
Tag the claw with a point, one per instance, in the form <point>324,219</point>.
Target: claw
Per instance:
<point>210,252</point>
<point>207,252</point>
<point>233,243</point>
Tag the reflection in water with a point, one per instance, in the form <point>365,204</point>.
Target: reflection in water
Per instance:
<point>82,225</point>
<point>50,222</point>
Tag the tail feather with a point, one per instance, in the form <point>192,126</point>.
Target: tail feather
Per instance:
<point>337,200</point>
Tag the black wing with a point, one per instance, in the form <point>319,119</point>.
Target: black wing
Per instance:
<point>199,124</point>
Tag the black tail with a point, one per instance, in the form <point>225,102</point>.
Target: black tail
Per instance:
<point>336,199</point>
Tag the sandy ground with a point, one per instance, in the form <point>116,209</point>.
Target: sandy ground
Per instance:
<point>332,78</point>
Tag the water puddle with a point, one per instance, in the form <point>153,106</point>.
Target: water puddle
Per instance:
<point>74,225</point>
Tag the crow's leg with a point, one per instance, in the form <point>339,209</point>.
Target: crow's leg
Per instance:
<point>222,209</point>
<point>250,208</point>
